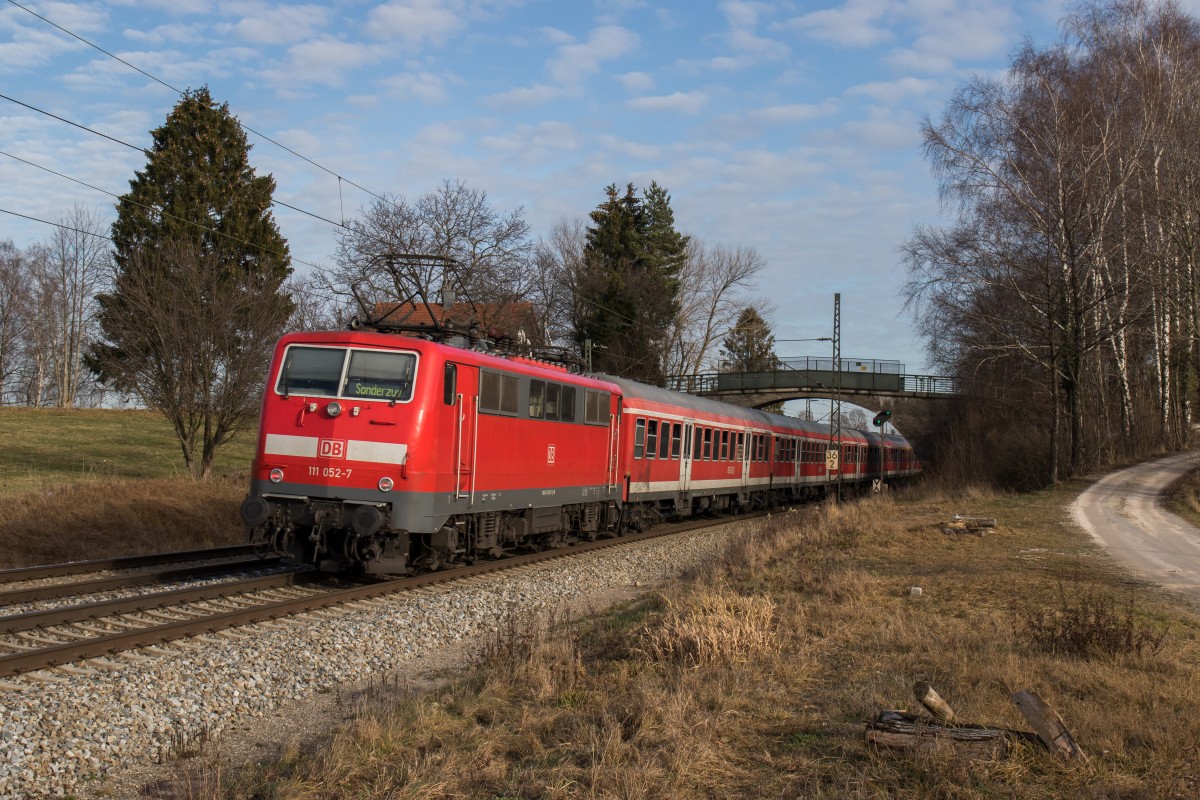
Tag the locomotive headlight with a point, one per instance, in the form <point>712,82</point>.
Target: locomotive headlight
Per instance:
<point>333,409</point>
<point>276,475</point>
<point>386,484</point>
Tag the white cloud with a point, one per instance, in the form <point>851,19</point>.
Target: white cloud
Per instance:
<point>894,91</point>
<point>575,62</point>
<point>524,97</point>
<point>678,102</point>
<point>75,17</point>
<point>426,87</point>
<point>178,33</point>
<point>416,22</point>
<point>791,112</point>
<point>858,23</point>
<point>322,61</point>
<point>555,36</point>
<point>535,144</point>
<point>278,25</point>
<point>635,82</point>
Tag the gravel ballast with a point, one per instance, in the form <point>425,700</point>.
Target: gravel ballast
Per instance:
<point>68,733</point>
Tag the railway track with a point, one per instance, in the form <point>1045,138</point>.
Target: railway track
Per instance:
<point>42,639</point>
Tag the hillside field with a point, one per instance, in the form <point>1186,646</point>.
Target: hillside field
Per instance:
<point>91,483</point>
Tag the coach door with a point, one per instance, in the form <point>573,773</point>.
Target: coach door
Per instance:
<point>747,438</point>
<point>685,458</point>
<point>462,389</point>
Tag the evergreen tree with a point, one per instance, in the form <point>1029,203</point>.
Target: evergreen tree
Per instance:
<point>750,345</point>
<point>627,296</point>
<point>196,300</point>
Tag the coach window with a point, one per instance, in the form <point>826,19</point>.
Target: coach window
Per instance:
<point>724,445</point>
<point>497,392</point>
<point>740,451</point>
<point>664,439</point>
<point>708,444</point>
<point>698,451</point>
<point>449,385</point>
<point>552,392</point>
<point>566,404</point>
<point>676,438</point>
<point>652,438</point>
<point>639,438</point>
<point>537,398</point>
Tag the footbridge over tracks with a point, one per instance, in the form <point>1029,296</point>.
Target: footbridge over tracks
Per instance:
<point>919,403</point>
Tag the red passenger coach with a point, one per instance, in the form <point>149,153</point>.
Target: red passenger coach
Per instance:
<point>397,454</point>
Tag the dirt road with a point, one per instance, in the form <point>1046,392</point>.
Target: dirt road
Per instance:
<point>1124,512</point>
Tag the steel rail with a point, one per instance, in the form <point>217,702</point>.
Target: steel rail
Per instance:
<point>34,593</point>
<point>31,620</point>
<point>127,562</point>
<point>55,655</point>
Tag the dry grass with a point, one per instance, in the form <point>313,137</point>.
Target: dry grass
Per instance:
<point>755,679</point>
<point>120,518</point>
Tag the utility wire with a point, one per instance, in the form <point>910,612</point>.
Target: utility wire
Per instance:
<point>160,211</point>
<point>69,122</point>
<point>56,224</point>
<point>147,152</point>
<point>180,92</point>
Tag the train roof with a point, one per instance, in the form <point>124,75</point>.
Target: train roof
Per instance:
<point>656,394</point>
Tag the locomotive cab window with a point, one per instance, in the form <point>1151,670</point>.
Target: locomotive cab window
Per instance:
<point>378,375</point>
<point>450,385</point>
<point>315,371</point>
<point>369,374</point>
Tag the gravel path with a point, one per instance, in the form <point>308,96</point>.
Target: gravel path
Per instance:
<point>62,732</point>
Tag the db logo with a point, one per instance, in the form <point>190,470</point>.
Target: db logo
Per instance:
<point>331,448</point>
<point>549,454</point>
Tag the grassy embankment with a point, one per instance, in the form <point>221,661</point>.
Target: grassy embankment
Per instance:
<point>755,678</point>
<point>90,483</point>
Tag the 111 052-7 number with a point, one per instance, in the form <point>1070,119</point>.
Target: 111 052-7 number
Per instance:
<point>329,472</point>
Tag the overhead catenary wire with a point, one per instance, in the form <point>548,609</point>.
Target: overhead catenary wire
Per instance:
<point>340,225</point>
<point>147,152</point>
<point>180,92</point>
<point>193,223</point>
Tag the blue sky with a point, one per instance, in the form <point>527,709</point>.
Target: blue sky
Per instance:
<point>789,126</point>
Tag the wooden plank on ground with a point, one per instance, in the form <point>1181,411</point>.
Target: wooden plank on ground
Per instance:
<point>1048,724</point>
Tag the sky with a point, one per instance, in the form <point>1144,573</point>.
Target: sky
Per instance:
<point>790,126</point>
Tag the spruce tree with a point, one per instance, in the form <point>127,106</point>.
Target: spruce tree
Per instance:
<point>749,346</point>
<point>196,300</point>
<point>629,290</point>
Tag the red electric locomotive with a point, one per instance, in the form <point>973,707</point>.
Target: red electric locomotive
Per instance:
<point>398,454</point>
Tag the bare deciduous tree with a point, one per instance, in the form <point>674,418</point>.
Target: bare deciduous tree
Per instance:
<point>711,295</point>
<point>196,344</point>
<point>487,252</point>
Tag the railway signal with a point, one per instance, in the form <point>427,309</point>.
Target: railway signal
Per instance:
<point>881,418</point>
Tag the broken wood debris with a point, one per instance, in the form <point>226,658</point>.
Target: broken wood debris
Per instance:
<point>1048,724</point>
<point>976,526</point>
<point>904,731</point>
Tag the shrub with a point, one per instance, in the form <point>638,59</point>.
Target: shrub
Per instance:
<point>1088,623</point>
